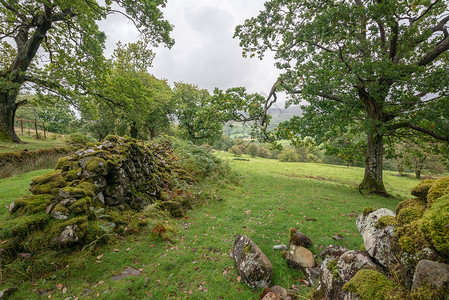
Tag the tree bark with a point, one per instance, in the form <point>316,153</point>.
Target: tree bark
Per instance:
<point>8,107</point>
<point>373,181</point>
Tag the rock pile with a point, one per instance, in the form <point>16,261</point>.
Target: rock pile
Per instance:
<point>406,253</point>
<point>99,188</point>
<point>405,256</point>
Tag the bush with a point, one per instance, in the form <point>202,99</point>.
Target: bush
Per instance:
<point>252,150</point>
<point>289,155</point>
<point>235,150</point>
<point>263,152</point>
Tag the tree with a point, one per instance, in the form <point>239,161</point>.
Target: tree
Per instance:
<point>199,121</point>
<point>70,45</point>
<point>379,64</point>
<point>252,150</point>
<point>235,150</point>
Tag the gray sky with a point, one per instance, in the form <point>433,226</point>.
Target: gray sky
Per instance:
<point>205,52</point>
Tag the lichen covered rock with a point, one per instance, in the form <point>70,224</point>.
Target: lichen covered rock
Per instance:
<point>422,189</point>
<point>253,265</point>
<point>440,188</point>
<point>369,284</point>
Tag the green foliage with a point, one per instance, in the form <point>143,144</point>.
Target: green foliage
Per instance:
<point>397,87</point>
<point>439,188</point>
<point>422,189</point>
<point>199,121</point>
<point>252,150</point>
<point>70,47</point>
<point>289,155</point>
<point>236,150</point>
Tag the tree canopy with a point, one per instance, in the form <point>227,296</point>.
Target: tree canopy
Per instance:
<point>57,47</point>
<point>378,65</point>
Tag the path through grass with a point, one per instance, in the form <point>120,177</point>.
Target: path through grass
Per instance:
<point>320,200</point>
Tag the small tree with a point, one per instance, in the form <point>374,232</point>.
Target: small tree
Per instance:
<point>252,150</point>
<point>289,155</point>
<point>263,152</point>
<point>235,150</point>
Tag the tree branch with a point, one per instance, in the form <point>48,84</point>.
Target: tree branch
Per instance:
<point>435,52</point>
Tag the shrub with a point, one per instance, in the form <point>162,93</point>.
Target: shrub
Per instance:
<point>289,155</point>
<point>235,150</point>
<point>252,150</point>
<point>263,152</point>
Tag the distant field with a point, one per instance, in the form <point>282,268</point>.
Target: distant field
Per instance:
<point>320,200</point>
<point>30,143</point>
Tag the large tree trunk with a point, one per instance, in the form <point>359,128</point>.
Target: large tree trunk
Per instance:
<point>372,180</point>
<point>8,107</point>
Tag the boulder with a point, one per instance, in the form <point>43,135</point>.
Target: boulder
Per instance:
<point>312,274</point>
<point>353,261</point>
<point>299,258</point>
<point>253,265</point>
<point>334,251</point>
<point>377,239</point>
<point>298,238</point>
<point>67,236</point>
<point>431,274</point>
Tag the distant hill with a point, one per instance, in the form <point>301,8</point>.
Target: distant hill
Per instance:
<point>238,130</point>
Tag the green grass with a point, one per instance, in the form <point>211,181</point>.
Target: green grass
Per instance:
<point>30,143</point>
<point>320,200</point>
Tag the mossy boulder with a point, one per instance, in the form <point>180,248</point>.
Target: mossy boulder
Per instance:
<point>28,205</point>
<point>80,206</point>
<point>20,226</point>
<point>410,210</point>
<point>422,189</point>
<point>439,189</point>
<point>435,225</point>
<point>49,183</point>
<point>174,208</point>
<point>78,190</point>
<point>370,284</point>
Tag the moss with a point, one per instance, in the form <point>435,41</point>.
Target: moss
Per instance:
<point>22,225</point>
<point>59,208</point>
<point>96,165</point>
<point>111,138</point>
<point>422,189</point>
<point>57,226</point>
<point>247,249</point>
<point>175,209</point>
<point>28,205</point>
<point>367,210</point>
<point>332,266</point>
<point>49,183</point>
<point>410,210</point>
<point>385,221</point>
<point>72,174</point>
<point>426,291</point>
<point>126,221</point>
<point>440,188</point>
<point>410,238</point>
<point>435,225</point>
<point>81,206</point>
<point>362,247</point>
<point>370,284</point>
<point>83,189</point>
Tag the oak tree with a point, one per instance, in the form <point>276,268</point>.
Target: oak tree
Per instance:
<point>382,65</point>
<point>57,47</point>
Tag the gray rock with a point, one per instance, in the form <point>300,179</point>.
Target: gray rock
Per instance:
<point>4,294</point>
<point>431,273</point>
<point>59,215</point>
<point>253,265</point>
<point>338,237</point>
<point>312,274</point>
<point>330,285</point>
<point>67,236</point>
<point>126,273</point>
<point>353,261</point>
<point>280,247</point>
<point>333,251</point>
<point>83,152</point>
<point>299,258</point>
<point>12,207</point>
<point>68,201</point>
<point>377,241</point>
<point>298,238</point>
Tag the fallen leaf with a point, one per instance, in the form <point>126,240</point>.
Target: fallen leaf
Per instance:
<point>100,256</point>
<point>239,278</point>
<point>116,250</point>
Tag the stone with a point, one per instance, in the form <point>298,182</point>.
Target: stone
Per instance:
<point>253,265</point>
<point>67,236</point>
<point>299,258</point>
<point>4,294</point>
<point>298,238</point>
<point>377,241</point>
<point>12,207</point>
<point>271,296</point>
<point>338,237</point>
<point>280,291</point>
<point>431,273</point>
<point>333,251</point>
<point>126,273</point>
<point>312,274</point>
<point>68,201</point>
<point>280,247</point>
<point>353,261</point>
<point>84,152</point>
<point>330,285</point>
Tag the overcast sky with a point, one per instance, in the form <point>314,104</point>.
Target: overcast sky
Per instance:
<point>204,52</point>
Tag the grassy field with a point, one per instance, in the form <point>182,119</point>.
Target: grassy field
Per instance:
<point>320,200</point>
<point>30,143</point>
